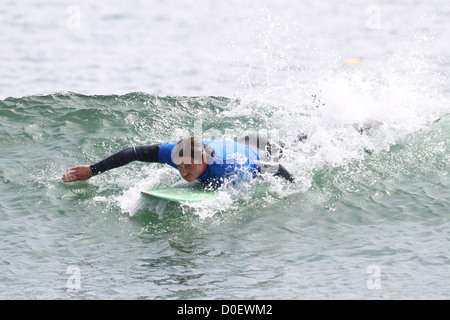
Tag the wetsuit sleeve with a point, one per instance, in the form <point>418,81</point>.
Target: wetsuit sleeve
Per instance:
<point>276,169</point>
<point>282,172</point>
<point>147,153</point>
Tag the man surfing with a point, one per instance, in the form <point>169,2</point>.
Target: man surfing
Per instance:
<point>210,162</point>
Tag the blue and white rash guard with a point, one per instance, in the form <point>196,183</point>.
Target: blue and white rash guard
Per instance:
<point>230,160</point>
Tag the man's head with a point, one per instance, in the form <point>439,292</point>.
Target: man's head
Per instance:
<point>190,156</point>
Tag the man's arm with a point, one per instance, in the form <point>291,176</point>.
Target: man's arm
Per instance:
<point>276,169</point>
<point>282,172</point>
<point>147,153</point>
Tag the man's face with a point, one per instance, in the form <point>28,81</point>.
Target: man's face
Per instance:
<point>190,170</point>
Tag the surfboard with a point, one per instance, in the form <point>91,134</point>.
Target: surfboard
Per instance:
<point>181,194</point>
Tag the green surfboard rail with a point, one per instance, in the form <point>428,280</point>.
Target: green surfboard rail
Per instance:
<point>181,194</point>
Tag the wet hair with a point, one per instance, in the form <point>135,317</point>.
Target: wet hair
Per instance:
<point>194,148</point>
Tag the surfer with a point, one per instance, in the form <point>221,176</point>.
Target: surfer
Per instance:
<point>210,162</point>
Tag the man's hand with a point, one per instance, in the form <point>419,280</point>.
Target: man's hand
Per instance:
<point>77,173</point>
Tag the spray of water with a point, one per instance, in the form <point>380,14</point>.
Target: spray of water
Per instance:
<point>329,100</point>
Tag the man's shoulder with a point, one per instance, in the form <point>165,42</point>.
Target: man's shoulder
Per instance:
<point>165,153</point>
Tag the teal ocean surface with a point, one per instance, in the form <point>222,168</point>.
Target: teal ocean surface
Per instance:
<point>367,217</point>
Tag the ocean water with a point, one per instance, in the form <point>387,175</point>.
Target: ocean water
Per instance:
<point>367,218</point>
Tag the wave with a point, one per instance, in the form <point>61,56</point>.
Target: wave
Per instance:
<point>68,128</point>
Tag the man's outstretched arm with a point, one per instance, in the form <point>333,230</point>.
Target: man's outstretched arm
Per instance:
<point>141,153</point>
